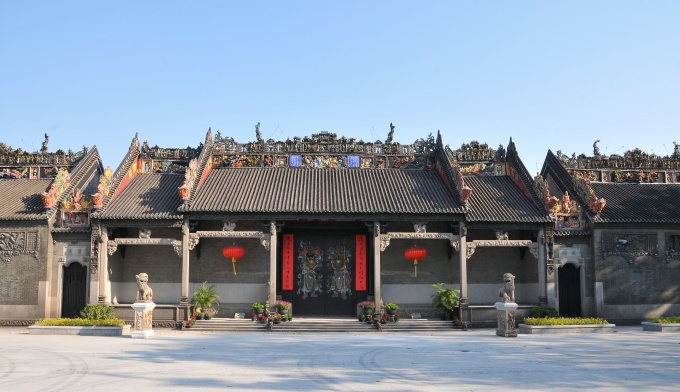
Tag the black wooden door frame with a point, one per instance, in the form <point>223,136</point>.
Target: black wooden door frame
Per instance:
<point>569,282</point>
<point>73,289</point>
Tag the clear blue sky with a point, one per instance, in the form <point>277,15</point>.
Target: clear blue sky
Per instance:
<point>551,75</point>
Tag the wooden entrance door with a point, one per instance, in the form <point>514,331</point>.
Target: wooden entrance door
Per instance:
<point>324,274</point>
<point>73,295</point>
<point>569,281</point>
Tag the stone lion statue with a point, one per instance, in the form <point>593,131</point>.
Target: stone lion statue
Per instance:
<point>507,292</point>
<point>144,292</point>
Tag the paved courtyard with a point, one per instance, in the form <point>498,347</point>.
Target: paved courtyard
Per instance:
<point>476,360</point>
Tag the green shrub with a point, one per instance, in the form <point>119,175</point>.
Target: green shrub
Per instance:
<point>445,300</point>
<point>665,320</point>
<point>563,321</point>
<point>391,306</point>
<point>543,311</point>
<point>206,296</point>
<point>98,312</point>
<point>258,306</point>
<point>79,322</point>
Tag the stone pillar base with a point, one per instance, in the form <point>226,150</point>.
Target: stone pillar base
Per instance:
<point>506,319</point>
<point>143,319</point>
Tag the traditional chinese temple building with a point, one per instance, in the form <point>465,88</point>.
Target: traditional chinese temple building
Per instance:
<point>326,222</point>
<point>321,221</point>
<point>47,197</point>
<point>616,235</point>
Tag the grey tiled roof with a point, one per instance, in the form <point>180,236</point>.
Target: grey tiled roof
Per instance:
<point>21,199</point>
<point>311,191</point>
<point>641,203</point>
<point>147,196</point>
<point>499,199</point>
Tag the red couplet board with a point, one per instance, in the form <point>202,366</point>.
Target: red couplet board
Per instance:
<point>288,257</point>
<point>361,262</point>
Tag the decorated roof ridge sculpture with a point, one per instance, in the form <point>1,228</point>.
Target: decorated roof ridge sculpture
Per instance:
<point>204,165</point>
<point>18,163</point>
<point>634,166</point>
<point>520,175</point>
<point>449,172</point>
<point>476,158</point>
<point>578,199</point>
<point>110,184</point>
<point>63,185</point>
<point>75,206</point>
<point>323,150</point>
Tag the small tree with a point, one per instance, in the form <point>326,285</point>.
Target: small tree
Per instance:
<point>205,297</point>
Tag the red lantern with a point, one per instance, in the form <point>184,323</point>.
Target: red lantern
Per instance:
<point>234,252</point>
<point>415,253</point>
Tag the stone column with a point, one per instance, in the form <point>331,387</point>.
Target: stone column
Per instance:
<point>104,298</point>
<point>462,259</point>
<point>376,266</point>
<point>184,298</point>
<point>272,262</point>
<point>542,281</point>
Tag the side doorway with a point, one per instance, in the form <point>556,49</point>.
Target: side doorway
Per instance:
<point>569,287</point>
<point>74,290</point>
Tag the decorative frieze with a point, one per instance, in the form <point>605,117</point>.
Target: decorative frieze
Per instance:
<point>452,238</point>
<point>112,245</point>
<point>14,243</point>
<point>194,238</point>
<point>471,246</point>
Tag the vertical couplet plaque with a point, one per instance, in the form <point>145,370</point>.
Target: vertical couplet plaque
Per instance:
<point>288,256</point>
<point>361,262</point>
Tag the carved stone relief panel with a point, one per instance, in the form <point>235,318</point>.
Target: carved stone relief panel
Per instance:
<point>629,245</point>
<point>672,247</point>
<point>13,243</point>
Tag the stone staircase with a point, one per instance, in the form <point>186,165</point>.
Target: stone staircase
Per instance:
<point>318,325</point>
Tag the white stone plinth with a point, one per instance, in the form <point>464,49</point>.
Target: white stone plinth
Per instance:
<point>506,319</point>
<point>143,319</point>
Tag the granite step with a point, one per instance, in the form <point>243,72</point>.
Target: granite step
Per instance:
<point>319,325</point>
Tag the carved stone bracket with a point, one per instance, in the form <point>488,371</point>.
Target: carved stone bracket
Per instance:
<point>194,238</point>
<point>112,245</point>
<point>533,248</point>
<point>472,245</point>
<point>385,238</point>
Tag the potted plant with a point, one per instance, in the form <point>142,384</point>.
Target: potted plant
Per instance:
<point>445,300</point>
<point>391,308</point>
<point>204,298</point>
<point>367,307</point>
<point>258,310</point>
<point>283,307</point>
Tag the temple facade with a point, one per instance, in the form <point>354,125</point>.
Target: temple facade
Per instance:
<point>46,199</point>
<point>325,222</point>
<point>615,235</point>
